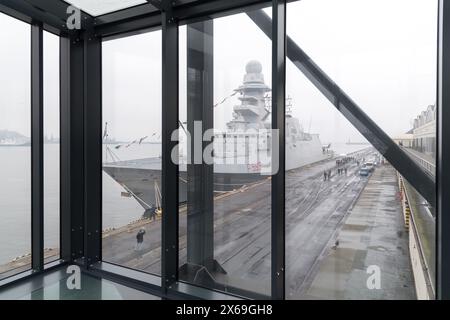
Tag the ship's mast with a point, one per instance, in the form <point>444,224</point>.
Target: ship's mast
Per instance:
<point>252,111</point>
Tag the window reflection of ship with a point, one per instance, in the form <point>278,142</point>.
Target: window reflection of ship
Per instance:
<point>139,177</point>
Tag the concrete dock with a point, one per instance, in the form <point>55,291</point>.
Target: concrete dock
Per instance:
<point>373,234</point>
<point>315,211</point>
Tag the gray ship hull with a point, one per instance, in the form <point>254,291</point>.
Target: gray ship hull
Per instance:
<point>139,183</point>
<point>138,178</point>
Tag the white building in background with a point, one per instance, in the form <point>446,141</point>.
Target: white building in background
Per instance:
<point>405,140</point>
<point>424,131</point>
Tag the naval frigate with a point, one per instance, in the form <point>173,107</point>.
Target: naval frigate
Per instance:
<point>242,152</point>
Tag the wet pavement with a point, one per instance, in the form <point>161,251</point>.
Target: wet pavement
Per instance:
<point>316,210</point>
<point>374,234</point>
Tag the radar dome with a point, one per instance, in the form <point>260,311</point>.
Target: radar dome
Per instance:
<point>253,66</point>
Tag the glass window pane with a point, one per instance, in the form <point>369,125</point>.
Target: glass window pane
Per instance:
<point>51,147</point>
<point>355,228</point>
<point>99,7</point>
<point>225,191</point>
<point>132,151</point>
<point>15,151</point>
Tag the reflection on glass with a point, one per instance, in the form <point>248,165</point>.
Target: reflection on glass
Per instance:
<point>132,152</point>
<point>15,151</point>
<point>225,188</point>
<point>51,147</point>
<point>356,228</point>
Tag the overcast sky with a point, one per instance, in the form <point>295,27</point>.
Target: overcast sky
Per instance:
<point>14,75</point>
<point>15,80</point>
<point>382,53</point>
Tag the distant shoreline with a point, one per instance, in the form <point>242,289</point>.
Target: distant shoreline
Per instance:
<point>24,145</point>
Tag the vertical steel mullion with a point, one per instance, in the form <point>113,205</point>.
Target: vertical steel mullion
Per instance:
<point>75,138</point>
<point>72,153</point>
<point>278,123</point>
<point>65,225</point>
<point>37,148</point>
<point>92,147</point>
<point>200,202</point>
<point>169,232</point>
<point>443,154</point>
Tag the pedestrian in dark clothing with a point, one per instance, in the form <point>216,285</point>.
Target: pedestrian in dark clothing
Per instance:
<point>153,213</point>
<point>324,176</point>
<point>140,239</point>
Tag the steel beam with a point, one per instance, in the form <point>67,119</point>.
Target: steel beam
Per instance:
<point>124,27</point>
<point>65,181</point>
<point>81,146</point>
<point>410,170</point>
<point>148,15</point>
<point>54,8</point>
<point>126,14</point>
<point>200,89</point>
<point>443,154</point>
<point>129,20</point>
<point>169,250</point>
<point>37,148</point>
<point>210,9</point>
<point>27,12</point>
<point>72,151</point>
<point>76,137</point>
<point>92,79</point>
<point>157,4</point>
<point>51,13</point>
<point>278,156</point>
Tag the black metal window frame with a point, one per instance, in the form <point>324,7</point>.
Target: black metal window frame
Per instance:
<point>443,154</point>
<point>169,284</point>
<point>38,264</point>
<point>81,156</point>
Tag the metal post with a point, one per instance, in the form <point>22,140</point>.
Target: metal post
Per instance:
<point>169,250</point>
<point>200,208</point>
<point>278,123</point>
<point>72,151</point>
<point>65,216</point>
<point>443,155</point>
<point>92,147</point>
<point>37,148</point>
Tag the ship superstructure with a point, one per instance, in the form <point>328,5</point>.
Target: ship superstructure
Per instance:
<point>242,153</point>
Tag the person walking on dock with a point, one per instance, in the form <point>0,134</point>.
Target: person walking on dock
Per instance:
<point>140,239</point>
<point>152,213</point>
